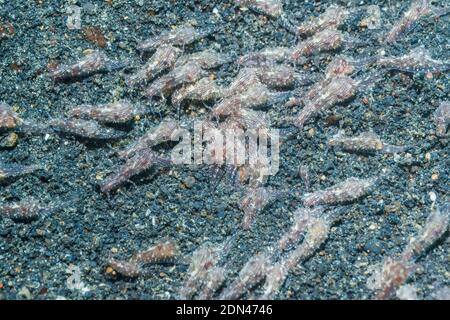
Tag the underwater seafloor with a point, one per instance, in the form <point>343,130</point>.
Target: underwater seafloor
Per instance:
<point>193,205</point>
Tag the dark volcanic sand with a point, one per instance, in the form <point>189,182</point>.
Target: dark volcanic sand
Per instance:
<point>91,227</point>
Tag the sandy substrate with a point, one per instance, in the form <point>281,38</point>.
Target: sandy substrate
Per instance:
<point>180,202</point>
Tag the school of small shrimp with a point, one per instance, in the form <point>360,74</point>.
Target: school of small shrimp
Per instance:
<point>359,208</point>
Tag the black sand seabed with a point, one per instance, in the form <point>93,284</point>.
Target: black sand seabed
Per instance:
<point>91,227</point>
